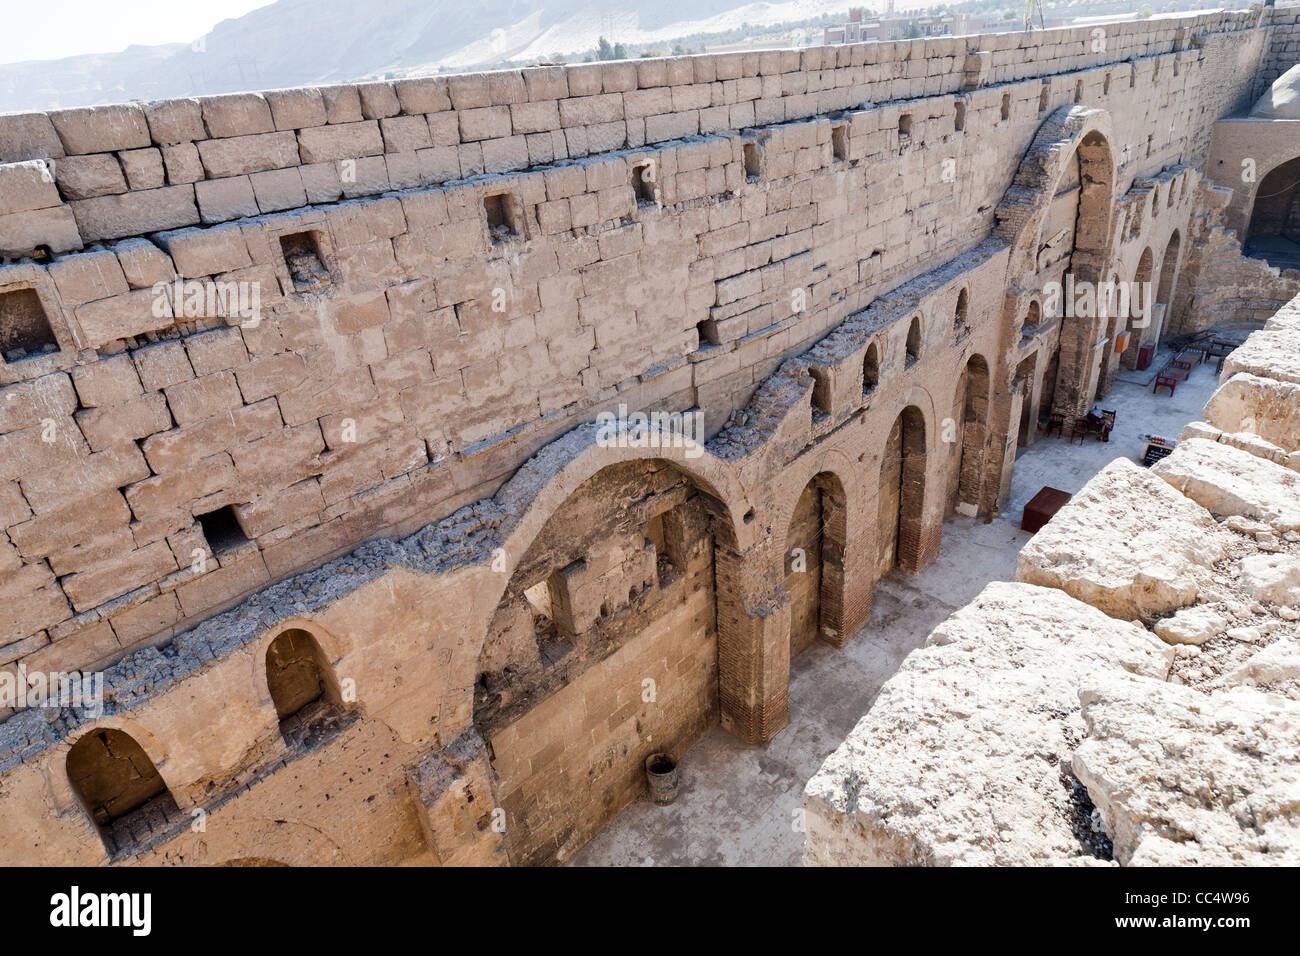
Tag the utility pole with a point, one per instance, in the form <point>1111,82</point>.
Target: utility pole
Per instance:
<point>1032,6</point>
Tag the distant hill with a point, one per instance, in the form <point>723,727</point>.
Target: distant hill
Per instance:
<point>302,42</point>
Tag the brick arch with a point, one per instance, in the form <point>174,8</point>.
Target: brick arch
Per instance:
<point>61,789</point>
<point>972,402</point>
<point>902,495</point>
<point>117,784</point>
<point>813,562</point>
<point>1069,131</point>
<point>546,480</point>
<point>274,842</point>
<point>633,576</point>
<point>1070,134</point>
<point>331,651</point>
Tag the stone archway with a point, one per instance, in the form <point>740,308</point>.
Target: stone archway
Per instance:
<point>1141,327</point>
<point>1274,230</point>
<point>901,499</point>
<point>814,563</point>
<point>119,786</point>
<point>1162,316</point>
<point>604,648</point>
<point>971,412</point>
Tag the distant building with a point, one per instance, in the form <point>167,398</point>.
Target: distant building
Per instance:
<point>893,27</point>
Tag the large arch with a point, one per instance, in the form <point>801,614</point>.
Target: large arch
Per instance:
<point>617,634</point>
<point>1274,230</point>
<point>901,497</point>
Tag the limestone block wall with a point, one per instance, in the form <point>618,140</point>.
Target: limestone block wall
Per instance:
<point>1188,579</point>
<point>426,365</point>
<point>1283,45</point>
<point>412,349</point>
<point>136,168</point>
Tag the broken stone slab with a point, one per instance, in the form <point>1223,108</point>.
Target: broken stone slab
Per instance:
<point>1127,543</point>
<point>1185,778</point>
<point>1260,406</point>
<point>1272,577</point>
<point>1275,668</point>
<point>1270,353</point>
<point>959,760</point>
<point>1228,481</point>
<point>1192,625</point>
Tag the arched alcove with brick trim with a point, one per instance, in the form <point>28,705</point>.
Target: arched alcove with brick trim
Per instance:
<point>1169,279</point>
<point>119,786</point>
<point>301,683</point>
<point>971,411</point>
<point>633,578</point>
<point>870,369</point>
<point>814,564</point>
<point>1137,324</point>
<point>901,500</point>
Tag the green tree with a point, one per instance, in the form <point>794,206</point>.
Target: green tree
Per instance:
<point>1146,13</point>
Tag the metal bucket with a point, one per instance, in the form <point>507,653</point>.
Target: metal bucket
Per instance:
<point>662,773</point>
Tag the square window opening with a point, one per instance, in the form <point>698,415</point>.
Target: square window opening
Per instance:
<point>643,184</point>
<point>302,256</point>
<point>500,216</point>
<point>840,142</point>
<point>222,531</point>
<point>25,329</point>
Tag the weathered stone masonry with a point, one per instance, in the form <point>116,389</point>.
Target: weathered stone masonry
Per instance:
<point>836,255</point>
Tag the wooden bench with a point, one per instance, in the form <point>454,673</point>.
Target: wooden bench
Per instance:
<point>1169,376</point>
<point>1219,349</point>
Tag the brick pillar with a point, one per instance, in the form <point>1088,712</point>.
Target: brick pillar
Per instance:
<point>1076,374</point>
<point>859,585</point>
<point>453,785</point>
<point>753,657</point>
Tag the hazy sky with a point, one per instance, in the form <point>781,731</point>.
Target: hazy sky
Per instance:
<point>46,31</point>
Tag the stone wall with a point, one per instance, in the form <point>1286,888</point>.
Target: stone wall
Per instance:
<point>1283,45</point>
<point>375,457</point>
<point>1181,585</point>
<point>409,356</point>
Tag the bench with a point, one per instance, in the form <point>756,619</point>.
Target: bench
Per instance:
<point>1171,375</point>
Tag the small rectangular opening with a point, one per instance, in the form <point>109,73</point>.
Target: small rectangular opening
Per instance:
<point>840,142</point>
<point>708,333</point>
<point>301,251</point>
<point>905,124</point>
<point>24,327</point>
<point>500,216</point>
<point>1132,75</point>
<point>752,160</point>
<point>221,530</point>
<point>959,120</point>
<point>1078,91</point>
<point>1105,86</point>
<point>821,394</point>
<point>643,184</point>
<point>1006,105</point>
<point>1044,96</point>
